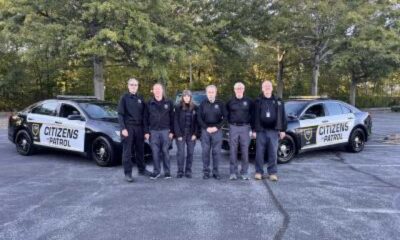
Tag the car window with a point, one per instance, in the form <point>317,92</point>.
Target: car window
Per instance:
<point>334,108</point>
<point>67,110</point>
<point>345,109</point>
<point>317,109</point>
<point>294,108</point>
<point>100,110</point>
<point>47,108</point>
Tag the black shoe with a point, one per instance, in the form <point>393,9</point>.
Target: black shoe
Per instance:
<point>145,172</point>
<point>206,176</point>
<point>167,176</point>
<point>216,176</point>
<point>179,175</point>
<point>155,176</point>
<point>128,178</point>
<point>188,175</point>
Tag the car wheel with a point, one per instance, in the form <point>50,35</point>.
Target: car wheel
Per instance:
<point>286,149</point>
<point>356,141</point>
<point>103,152</point>
<point>24,143</point>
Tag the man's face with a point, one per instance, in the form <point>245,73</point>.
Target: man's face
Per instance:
<point>267,88</point>
<point>211,93</point>
<point>157,91</point>
<point>133,86</point>
<point>239,91</point>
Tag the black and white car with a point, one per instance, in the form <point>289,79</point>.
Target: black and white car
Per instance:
<point>315,123</point>
<point>75,123</point>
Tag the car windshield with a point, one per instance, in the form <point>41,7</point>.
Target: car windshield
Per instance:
<point>294,108</point>
<point>100,110</point>
<point>197,98</point>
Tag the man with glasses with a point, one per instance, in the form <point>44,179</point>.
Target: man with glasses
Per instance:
<point>131,109</point>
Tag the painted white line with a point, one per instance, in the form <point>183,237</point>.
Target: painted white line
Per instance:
<point>386,145</point>
<point>373,210</point>
<point>352,164</point>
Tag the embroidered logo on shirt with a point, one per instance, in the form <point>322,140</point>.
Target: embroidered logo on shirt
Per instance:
<point>244,103</point>
<point>139,101</point>
<point>166,106</point>
<point>216,106</point>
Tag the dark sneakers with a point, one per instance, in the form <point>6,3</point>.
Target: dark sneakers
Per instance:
<point>188,175</point>
<point>128,178</point>
<point>145,172</point>
<point>217,176</point>
<point>155,176</point>
<point>206,176</point>
<point>179,175</point>
<point>167,176</point>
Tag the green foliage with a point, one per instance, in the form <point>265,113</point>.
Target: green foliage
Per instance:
<point>47,47</point>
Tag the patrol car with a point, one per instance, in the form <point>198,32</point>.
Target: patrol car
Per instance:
<point>316,123</point>
<point>74,123</point>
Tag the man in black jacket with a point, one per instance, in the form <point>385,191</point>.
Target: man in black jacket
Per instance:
<point>159,125</point>
<point>212,113</point>
<point>130,117</point>
<point>269,124</point>
<point>240,111</point>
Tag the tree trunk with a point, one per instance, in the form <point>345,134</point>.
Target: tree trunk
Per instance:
<point>98,78</point>
<point>190,73</point>
<point>353,91</point>
<point>279,77</point>
<point>315,74</point>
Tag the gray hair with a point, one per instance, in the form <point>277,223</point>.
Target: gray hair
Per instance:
<point>211,86</point>
<point>238,84</point>
<point>132,80</point>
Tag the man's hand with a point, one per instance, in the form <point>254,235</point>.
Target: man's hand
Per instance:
<point>210,130</point>
<point>171,135</point>
<point>254,135</point>
<point>146,136</point>
<point>124,132</point>
<point>180,138</point>
<point>282,135</point>
<point>194,138</point>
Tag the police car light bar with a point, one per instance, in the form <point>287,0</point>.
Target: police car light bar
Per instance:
<point>308,97</point>
<point>66,97</point>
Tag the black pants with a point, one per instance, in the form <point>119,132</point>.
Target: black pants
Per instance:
<point>190,144</point>
<point>133,145</point>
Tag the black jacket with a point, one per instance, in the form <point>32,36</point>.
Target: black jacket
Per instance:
<point>179,122</point>
<point>240,111</point>
<point>159,115</point>
<point>211,114</point>
<point>131,109</point>
<point>260,108</point>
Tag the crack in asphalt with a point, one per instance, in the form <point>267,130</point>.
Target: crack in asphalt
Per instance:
<point>341,159</point>
<point>282,211</point>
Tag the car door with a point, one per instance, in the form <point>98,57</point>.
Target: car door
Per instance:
<point>40,120</point>
<point>311,119</point>
<point>340,124</point>
<point>72,136</point>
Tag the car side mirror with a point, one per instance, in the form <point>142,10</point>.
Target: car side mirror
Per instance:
<point>308,116</point>
<point>76,117</point>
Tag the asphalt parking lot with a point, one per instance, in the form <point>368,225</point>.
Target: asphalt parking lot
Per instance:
<point>328,194</point>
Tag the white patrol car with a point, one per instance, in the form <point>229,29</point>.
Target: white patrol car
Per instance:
<point>75,123</point>
<point>317,122</point>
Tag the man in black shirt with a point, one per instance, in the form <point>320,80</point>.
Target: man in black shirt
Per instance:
<point>211,115</point>
<point>269,125</point>
<point>240,110</point>
<point>158,125</point>
<point>130,117</point>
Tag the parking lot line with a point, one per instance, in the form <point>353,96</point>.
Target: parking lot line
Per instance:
<point>373,210</point>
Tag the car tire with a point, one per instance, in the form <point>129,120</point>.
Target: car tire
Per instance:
<point>286,149</point>
<point>24,143</point>
<point>102,152</point>
<point>356,141</point>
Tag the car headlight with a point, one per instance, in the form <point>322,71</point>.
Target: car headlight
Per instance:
<point>118,133</point>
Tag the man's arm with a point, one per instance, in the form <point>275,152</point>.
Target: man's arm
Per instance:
<point>200,120</point>
<point>121,112</point>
